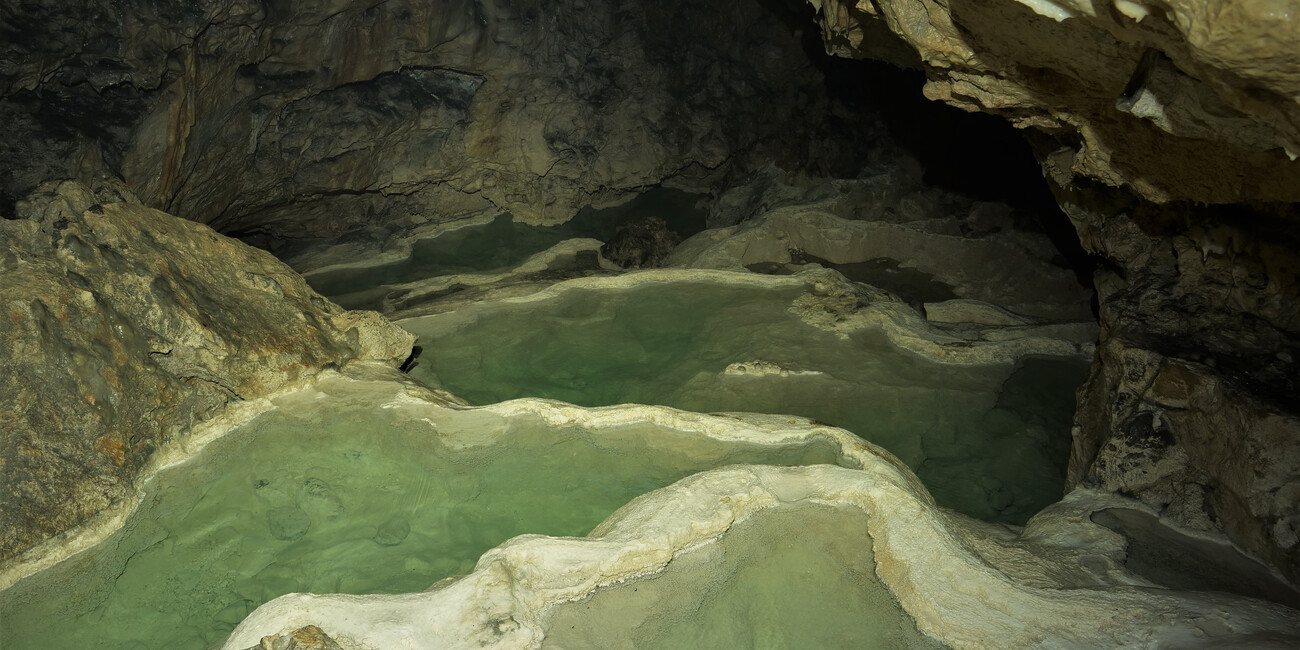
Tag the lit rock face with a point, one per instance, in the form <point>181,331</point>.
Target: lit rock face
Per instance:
<point>1183,99</point>
<point>123,326</point>
<point>308,119</point>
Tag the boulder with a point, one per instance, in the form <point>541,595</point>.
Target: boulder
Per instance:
<point>124,327</point>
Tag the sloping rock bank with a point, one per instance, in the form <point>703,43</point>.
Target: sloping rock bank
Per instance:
<point>124,327</point>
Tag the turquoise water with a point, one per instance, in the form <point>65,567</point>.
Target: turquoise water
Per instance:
<point>503,242</point>
<point>990,441</point>
<point>339,495</point>
<point>791,577</point>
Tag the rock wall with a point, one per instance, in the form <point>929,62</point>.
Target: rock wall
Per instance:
<point>1191,404</point>
<point>1142,113</point>
<point>309,119</point>
<point>124,326</point>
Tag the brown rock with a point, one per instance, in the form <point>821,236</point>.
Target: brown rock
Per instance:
<point>122,327</point>
<point>307,638</point>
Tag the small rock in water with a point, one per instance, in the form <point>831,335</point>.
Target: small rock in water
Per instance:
<point>288,523</point>
<point>317,498</point>
<point>392,532</point>
<point>640,244</point>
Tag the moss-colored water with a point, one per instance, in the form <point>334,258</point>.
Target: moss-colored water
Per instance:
<point>504,242</point>
<point>990,441</point>
<point>793,577</point>
<point>340,495</point>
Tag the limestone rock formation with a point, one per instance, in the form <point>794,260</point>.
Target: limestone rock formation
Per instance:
<point>1191,404</point>
<point>123,326</point>
<point>1181,99</point>
<point>308,637</point>
<point>314,119</point>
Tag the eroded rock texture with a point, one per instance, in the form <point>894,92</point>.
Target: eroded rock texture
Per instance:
<point>309,119</point>
<point>1181,99</point>
<point>1173,105</point>
<point>123,326</point>
<point>1191,405</point>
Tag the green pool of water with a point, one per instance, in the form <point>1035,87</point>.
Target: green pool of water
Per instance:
<point>793,577</point>
<point>503,242</point>
<point>340,495</point>
<point>990,441</point>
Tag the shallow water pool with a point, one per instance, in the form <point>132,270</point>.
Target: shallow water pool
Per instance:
<point>504,242</point>
<point>339,494</point>
<point>990,441</point>
<point>790,577</point>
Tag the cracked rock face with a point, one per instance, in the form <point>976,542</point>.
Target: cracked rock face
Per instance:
<point>124,326</point>
<point>312,119</point>
<point>1182,99</point>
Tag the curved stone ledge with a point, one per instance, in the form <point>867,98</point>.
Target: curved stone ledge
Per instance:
<point>955,593</point>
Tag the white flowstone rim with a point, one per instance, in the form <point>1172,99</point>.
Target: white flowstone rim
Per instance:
<point>950,573</point>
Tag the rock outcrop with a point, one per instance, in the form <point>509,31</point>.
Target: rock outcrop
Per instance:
<point>1061,582</point>
<point>1181,99</point>
<point>124,326</point>
<point>1191,406</point>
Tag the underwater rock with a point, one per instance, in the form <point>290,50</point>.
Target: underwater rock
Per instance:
<point>392,532</point>
<point>1013,270</point>
<point>125,326</point>
<point>288,523</point>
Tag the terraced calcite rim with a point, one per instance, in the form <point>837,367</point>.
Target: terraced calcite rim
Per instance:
<point>967,583</point>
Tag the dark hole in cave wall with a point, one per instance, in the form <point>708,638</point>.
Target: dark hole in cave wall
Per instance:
<point>980,155</point>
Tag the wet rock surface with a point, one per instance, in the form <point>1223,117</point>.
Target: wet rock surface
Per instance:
<point>124,326</point>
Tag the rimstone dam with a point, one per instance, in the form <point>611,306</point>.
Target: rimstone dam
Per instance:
<point>423,324</point>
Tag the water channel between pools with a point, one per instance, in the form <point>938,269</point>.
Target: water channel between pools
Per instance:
<point>340,495</point>
<point>504,242</point>
<point>991,441</point>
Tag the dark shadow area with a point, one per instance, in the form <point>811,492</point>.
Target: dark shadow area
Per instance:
<point>1172,559</point>
<point>976,154</point>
